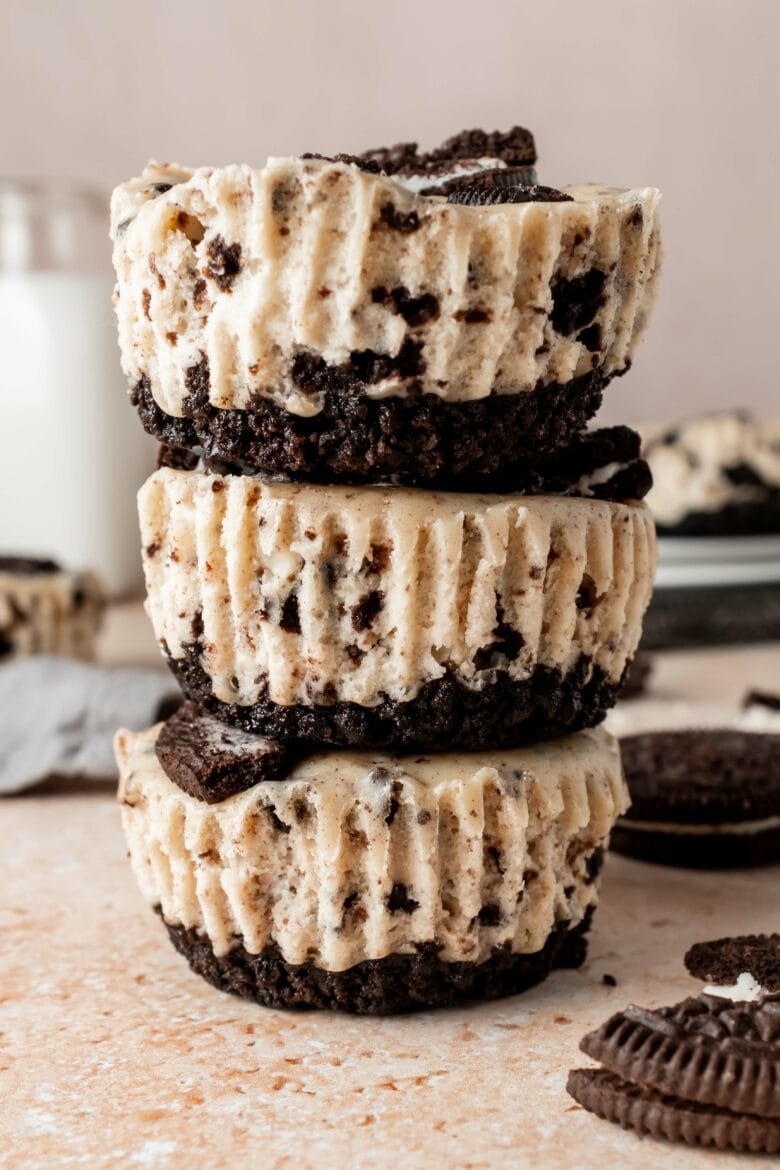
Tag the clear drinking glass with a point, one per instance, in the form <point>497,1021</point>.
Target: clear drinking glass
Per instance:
<point>73,451</point>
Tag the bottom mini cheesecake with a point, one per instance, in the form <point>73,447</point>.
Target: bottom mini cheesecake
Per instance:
<point>369,882</point>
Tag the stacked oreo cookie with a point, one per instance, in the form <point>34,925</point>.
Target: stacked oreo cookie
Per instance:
<point>397,582</point>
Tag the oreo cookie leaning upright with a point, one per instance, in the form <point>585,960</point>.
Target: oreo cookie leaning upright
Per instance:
<point>247,329</point>
<point>705,799</point>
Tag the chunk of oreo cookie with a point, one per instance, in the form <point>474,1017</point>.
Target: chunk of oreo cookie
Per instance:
<point>514,147</point>
<point>706,1050</point>
<point>701,798</point>
<point>657,1115</point>
<point>474,192</point>
<point>211,761</point>
<point>499,177</point>
<point>745,967</point>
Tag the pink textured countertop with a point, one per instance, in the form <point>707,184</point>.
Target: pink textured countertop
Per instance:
<point>113,1055</point>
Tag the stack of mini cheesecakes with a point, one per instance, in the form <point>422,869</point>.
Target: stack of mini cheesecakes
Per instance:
<point>398,582</point>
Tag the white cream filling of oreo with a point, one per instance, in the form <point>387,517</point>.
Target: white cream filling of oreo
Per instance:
<point>746,989</point>
<point>733,829</point>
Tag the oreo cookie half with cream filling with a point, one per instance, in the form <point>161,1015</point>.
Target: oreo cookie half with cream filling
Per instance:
<point>705,1072</point>
<point>705,798</point>
<point>432,319</point>
<point>371,882</point>
<point>45,609</point>
<point>743,968</point>
<point>373,617</point>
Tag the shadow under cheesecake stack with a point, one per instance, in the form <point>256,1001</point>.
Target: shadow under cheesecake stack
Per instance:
<point>397,580</point>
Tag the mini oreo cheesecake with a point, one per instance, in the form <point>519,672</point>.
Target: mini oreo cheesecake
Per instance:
<point>362,881</point>
<point>715,475</point>
<point>387,617</point>
<point>45,609</point>
<point>434,319</point>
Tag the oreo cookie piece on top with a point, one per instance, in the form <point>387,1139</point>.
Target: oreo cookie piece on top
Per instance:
<point>514,148</point>
<point>705,799</point>
<point>746,967</point>
<point>211,761</point>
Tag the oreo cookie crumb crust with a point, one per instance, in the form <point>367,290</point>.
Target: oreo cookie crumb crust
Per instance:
<point>212,761</point>
<point>492,444</point>
<point>378,987</point>
<point>722,961</point>
<point>443,716</point>
<point>576,469</point>
<point>753,518</point>
<point>659,1115</point>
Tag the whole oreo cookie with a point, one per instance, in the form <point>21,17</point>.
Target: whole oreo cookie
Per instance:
<point>654,1114</point>
<point>212,761</point>
<point>747,966</point>
<point>702,798</point>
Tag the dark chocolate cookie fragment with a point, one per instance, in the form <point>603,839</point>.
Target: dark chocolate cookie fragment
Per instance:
<point>212,761</point>
<point>759,516</point>
<point>515,147</point>
<point>704,1049</point>
<point>721,961</point>
<point>444,715</point>
<point>477,193</point>
<point>660,1115</point>
<point>498,177</point>
<point>378,987</point>
<point>22,566</point>
<point>180,458</point>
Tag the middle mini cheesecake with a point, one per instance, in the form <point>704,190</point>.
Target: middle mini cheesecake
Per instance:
<point>402,618</point>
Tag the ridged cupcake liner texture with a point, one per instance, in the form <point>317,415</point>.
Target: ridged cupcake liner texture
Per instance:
<point>356,856</point>
<point>254,271</point>
<point>300,594</point>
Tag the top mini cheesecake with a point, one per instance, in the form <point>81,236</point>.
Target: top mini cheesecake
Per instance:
<point>433,319</point>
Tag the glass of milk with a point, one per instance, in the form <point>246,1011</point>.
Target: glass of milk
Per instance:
<point>74,452</point>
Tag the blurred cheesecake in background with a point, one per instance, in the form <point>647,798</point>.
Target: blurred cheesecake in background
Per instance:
<point>716,502</point>
<point>715,475</point>
<point>46,609</point>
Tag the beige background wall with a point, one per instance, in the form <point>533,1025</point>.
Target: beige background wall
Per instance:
<point>682,94</point>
